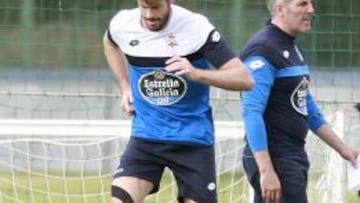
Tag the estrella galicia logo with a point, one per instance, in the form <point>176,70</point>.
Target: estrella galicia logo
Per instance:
<point>162,88</point>
<point>134,42</point>
<point>298,97</point>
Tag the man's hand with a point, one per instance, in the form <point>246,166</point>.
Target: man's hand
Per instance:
<point>269,180</point>
<point>127,102</point>
<point>270,186</point>
<point>351,155</point>
<point>180,66</point>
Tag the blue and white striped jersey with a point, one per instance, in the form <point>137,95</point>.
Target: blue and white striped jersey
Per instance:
<point>170,108</point>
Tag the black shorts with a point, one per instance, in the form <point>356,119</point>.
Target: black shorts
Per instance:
<point>192,166</point>
<point>292,171</point>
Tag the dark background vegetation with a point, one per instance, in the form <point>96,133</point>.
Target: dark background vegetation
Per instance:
<point>68,33</point>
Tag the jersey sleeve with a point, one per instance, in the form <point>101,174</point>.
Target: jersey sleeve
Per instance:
<point>111,28</point>
<point>216,51</point>
<point>315,117</point>
<point>254,102</point>
<point>117,22</point>
<point>110,37</point>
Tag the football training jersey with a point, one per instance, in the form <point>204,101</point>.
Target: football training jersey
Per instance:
<point>280,109</point>
<point>169,108</point>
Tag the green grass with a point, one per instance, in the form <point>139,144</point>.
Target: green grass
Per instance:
<point>36,188</point>
<point>315,196</point>
<point>92,188</point>
<point>21,187</point>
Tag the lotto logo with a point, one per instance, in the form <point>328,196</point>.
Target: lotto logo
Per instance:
<point>253,65</point>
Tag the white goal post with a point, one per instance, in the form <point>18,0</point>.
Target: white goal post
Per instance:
<point>89,128</point>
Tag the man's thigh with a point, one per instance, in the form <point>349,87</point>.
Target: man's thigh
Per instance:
<point>139,162</point>
<point>194,170</point>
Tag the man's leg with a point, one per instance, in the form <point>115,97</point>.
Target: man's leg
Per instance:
<point>138,173</point>
<point>292,171</point>
<point>194,171</point>
<point>130,190</point>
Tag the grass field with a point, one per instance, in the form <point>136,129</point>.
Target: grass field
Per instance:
<point>92,188</point>
<point>57,188</point>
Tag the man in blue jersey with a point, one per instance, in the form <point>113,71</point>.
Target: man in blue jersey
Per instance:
<point>280,109</point>
<point>161,54</point>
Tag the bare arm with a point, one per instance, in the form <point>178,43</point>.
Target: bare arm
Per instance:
<point>233,75</point>
<point>328,135</point>
<point>269,181</point>
<point>118,64</point>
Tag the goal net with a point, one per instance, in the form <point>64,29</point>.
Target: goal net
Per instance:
<point>50,161</point>
<point>327,176</point>
<point>73,161</point>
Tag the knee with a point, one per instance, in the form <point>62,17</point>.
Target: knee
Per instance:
<point>121,194</point>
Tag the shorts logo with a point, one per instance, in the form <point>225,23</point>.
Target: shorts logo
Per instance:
<point>118,171</point>
<point>211,186</point>
<point>162,88</point>
<point>298,97</point>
